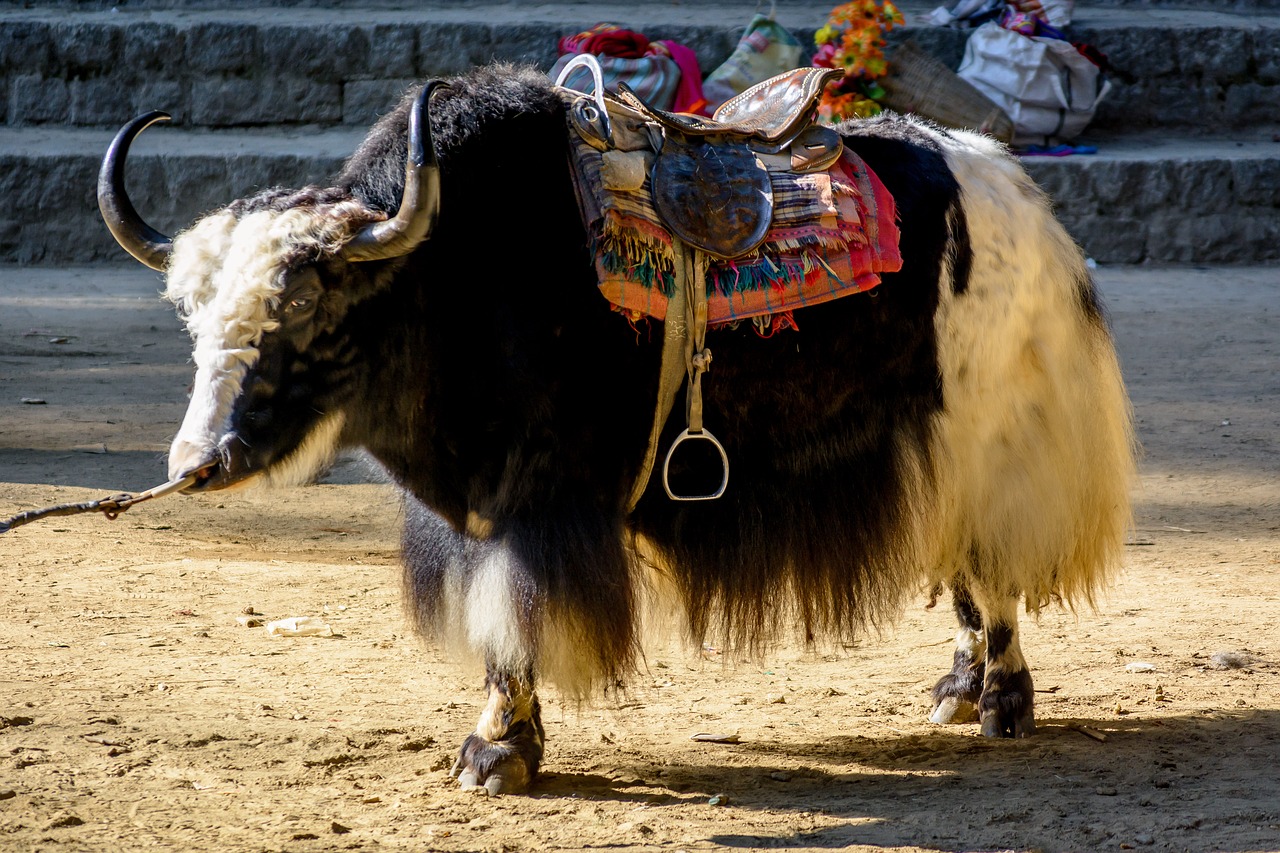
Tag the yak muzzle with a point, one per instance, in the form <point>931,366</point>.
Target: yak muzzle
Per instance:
<point>214,467</point>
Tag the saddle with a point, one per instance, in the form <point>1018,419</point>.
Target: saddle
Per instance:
<point>710,178</point>
<point>710,185</point>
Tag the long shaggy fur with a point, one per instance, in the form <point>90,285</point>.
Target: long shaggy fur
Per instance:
<point>964,422</point>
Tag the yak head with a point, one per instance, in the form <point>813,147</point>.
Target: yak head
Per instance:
<point>264,285</point>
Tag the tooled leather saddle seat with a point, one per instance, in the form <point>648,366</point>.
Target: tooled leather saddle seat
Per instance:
<point>710,182</point>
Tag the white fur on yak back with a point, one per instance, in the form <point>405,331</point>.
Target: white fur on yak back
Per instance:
<point>1035,442</point>
<point>225,278</point>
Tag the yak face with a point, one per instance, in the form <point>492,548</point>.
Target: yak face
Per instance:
<point>264,286</point>
<point>263,295</point>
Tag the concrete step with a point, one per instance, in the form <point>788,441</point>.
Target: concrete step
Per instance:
<point>1151,198</point>
<point>1140,199</point>
<point>333,63</point>
<point>48,178</point>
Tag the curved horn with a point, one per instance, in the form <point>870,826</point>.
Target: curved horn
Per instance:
<point>135,236</point>
<point>420,204</point>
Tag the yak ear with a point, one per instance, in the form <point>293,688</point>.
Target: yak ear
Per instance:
<point>420,204</point>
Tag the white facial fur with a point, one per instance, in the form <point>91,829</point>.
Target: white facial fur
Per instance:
<point>225,276</point>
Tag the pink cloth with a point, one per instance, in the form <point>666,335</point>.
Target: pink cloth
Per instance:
<point>689,97</point>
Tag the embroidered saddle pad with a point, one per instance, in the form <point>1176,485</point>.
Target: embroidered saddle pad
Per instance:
<point>832,233</point>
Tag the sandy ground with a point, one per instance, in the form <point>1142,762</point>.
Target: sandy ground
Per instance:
<point>137,712</point>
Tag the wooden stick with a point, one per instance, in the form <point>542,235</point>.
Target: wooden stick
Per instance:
<point>110,506</point>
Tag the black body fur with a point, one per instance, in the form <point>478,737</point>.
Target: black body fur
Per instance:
<point>515,392</point>
<point>489,376</point>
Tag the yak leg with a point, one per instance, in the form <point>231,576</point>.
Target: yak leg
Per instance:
<point>956,695</point>
<point>505,750</point>
<point>1006,707</point>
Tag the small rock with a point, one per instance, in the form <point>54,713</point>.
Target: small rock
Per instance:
<point>1139,666</point>
<point>7,794</point>
<point>1105,791</point>
<point>338,829</point>
<point>249,622</point>
<point>1146,839</point>
<point>1230,660</point>
<point>1120,710</point>
<point>719,800</point>
<point>780,776</point>
<point>775,699</point>
<point>34,401</point>
<point>64,821</point>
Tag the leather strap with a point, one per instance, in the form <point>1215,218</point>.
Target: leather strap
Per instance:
<point>672,373</point>
<point>685,356</point>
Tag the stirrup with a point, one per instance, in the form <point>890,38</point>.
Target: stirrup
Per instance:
<point>592,120</point>
<point>703,435</point>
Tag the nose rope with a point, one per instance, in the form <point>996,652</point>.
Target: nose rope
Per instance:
<point>110,506</point>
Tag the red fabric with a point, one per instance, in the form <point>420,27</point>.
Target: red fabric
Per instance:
<point>625,44</point>
<point>689,98</point>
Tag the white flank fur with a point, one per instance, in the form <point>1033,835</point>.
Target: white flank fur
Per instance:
<point>490,612</point>
<point>225,277</point>
<point>1035,444</point>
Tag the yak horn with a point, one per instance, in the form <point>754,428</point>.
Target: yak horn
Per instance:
<point>420,204</point>
<point>134,236</point>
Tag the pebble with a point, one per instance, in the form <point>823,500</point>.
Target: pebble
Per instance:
<point>1230,660</point>
<point>1139,666</point>
<point>719,800</point>
<point>775,699</point>
<point>338,829</point>
<point>7,794</point>
<point>780,776</point>
<point>64,821</point>
<point>1146,839</point>
<point>1105,791</point>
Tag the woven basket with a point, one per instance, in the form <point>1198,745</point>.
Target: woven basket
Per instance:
<point>918,83</point>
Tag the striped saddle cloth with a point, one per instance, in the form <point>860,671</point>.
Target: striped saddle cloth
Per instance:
<point>832,233</point>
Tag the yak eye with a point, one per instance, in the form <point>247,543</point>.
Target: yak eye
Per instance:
<point>301,303</point>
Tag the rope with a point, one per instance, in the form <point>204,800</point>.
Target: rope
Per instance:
<point>110,506</point>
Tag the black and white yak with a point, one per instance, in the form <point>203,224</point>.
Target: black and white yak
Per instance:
<point>964,427</point>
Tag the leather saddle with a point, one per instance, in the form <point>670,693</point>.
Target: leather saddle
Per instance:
<point>710,179</point>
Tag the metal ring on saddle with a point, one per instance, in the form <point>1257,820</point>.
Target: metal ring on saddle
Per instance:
<point>589,62</point>
<point>704,435</point>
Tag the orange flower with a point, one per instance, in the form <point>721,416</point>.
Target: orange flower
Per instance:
<point>853,40</point>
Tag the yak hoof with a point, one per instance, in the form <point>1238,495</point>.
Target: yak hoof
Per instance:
<point>1006,706</point>
<point>994,726</point>
<point>956,695</point>
<point>953,709</point>
<point>502,767</point>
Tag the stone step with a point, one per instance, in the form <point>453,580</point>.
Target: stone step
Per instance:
<point>1208,70</point>
<point>1140,199</point>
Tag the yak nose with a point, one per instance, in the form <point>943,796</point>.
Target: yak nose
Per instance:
<point>187,457</point>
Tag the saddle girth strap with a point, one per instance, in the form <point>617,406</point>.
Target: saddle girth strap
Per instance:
<point>684,357</point>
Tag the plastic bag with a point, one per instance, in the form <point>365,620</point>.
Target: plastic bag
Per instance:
<point>765,49</point>
<point>1048,89</point>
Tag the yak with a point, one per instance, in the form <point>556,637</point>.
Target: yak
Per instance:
<point>962,427</point>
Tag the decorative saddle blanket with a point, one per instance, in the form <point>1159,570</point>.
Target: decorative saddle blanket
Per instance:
<point>832,233</point>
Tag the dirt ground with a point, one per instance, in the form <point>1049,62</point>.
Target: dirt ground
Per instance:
<point>136,711</point>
